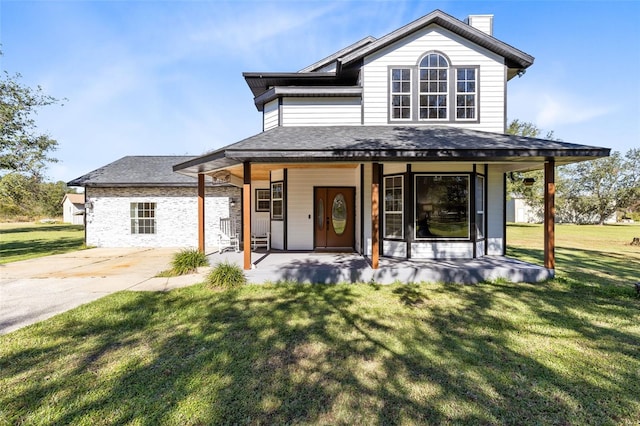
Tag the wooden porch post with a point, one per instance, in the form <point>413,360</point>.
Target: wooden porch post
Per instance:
<point>246,215</point>
<point>201,213</point>
<point>375,219</point>
<point>549,214</point>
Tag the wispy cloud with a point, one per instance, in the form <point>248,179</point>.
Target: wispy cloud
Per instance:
<point>553,108</point>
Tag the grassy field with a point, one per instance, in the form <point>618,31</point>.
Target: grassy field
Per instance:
<point>20,241</point>
<point>562,352</point>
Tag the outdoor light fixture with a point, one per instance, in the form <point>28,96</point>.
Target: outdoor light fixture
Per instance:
<point>232,202</point>
<point>88,205</point>
<point>528,181</point>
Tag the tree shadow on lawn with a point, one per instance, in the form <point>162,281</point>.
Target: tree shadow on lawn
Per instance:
<point>322,354</point>
<point>40,246</point>
<point>587,266</point>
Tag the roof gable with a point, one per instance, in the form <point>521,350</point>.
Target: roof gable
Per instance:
<point>514,58</point>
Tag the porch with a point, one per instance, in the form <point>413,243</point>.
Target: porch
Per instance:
<point>331,268</point>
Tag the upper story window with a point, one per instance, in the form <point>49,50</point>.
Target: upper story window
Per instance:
<point>434,76</point>
<point>444,92</point>
<point>401,93</point>
<point>466,94</point>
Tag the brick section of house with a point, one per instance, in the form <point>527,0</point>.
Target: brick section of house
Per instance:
<point>108,222</point>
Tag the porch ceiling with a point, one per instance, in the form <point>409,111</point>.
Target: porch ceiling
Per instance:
<point>260,171</point>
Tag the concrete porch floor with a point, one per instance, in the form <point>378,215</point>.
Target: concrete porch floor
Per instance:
<point>331,268</point>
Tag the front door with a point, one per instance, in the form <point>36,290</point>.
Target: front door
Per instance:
<point>334,219</point>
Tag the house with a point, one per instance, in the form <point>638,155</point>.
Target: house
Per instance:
<point>73,209</point>
<point>392,147</point>
<point>137,201</point>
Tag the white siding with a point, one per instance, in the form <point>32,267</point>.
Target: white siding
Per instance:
<point>277,234</point>
<point>321,111</point>
<point>495,211</point>
<point>300,184</point>
<point>461,52</point>
<point>394,249</point>
<point>442,250</point>
<point>393,168</point>
<point>270,115</point>
<point>109,221</point>
<point>71,213</point>
<point>255,215</point>
<point>441,167</point>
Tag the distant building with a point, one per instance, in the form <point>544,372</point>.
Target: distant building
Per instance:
<point>73,209</point>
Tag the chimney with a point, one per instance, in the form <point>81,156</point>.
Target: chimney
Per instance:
<point>483,23</point>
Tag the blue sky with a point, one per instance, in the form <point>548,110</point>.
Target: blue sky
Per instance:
<point>165,77</point>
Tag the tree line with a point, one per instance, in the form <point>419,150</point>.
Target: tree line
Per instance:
<point>586,192</point>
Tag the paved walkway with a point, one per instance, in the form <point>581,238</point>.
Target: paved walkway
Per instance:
<point>37,289</point>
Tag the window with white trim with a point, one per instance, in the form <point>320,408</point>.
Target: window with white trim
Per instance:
<point>393,207</point>
<point>277,200</point>
<point>466,93</point>
<point>143,218</point>
<point>433,92</point>
<point>401,93</point>
<point>479,207</point>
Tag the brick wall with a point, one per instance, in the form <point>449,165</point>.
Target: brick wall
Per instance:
<point>109,221</point>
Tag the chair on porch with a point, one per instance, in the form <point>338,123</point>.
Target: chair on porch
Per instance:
<point>228,236</point>
<point>260,235</point>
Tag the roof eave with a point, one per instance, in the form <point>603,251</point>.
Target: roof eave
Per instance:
<point>305,91</point>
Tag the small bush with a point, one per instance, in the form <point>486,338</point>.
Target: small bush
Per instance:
<point>188,261</point>
<point>226,275</point>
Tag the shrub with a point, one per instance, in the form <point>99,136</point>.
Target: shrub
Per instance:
<point>188,261</point>
<point>226,275</point>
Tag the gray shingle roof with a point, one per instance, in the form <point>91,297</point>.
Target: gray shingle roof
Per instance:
<point>138,171</point>
<point>387,143</point>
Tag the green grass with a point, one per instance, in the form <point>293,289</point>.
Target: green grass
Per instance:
<point>21,241</point>
<point>562,352</point>
<point>599,257</point>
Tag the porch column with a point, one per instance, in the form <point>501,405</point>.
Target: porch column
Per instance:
<point>549,214</point>
<point>375,219</point>
<point>246,214</point>
<point>201,213</point>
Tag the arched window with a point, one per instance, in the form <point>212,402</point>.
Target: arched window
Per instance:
<point>434,84</point>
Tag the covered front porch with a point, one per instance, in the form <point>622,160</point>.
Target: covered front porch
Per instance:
<point>333,268</point>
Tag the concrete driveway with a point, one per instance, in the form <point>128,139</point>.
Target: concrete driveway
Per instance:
<point>36,289</point>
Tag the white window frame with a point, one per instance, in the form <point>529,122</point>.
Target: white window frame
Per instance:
<point>279,199</point>
<point>474,93</point>
<point>438,93</point>
<point>401,94</point>
<point>393,212</point>
<point>148,225</point>
<point>480,207</point>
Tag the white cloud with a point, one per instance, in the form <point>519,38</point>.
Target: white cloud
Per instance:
<point>561,108</point>
<point>554,108</point>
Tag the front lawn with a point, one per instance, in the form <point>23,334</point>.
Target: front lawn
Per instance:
<point>21,241</point>
<point>562,352</point>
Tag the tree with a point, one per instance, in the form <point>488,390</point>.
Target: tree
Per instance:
<point>596,189</point>
<point>532,194</point>
<point>22,148</point>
